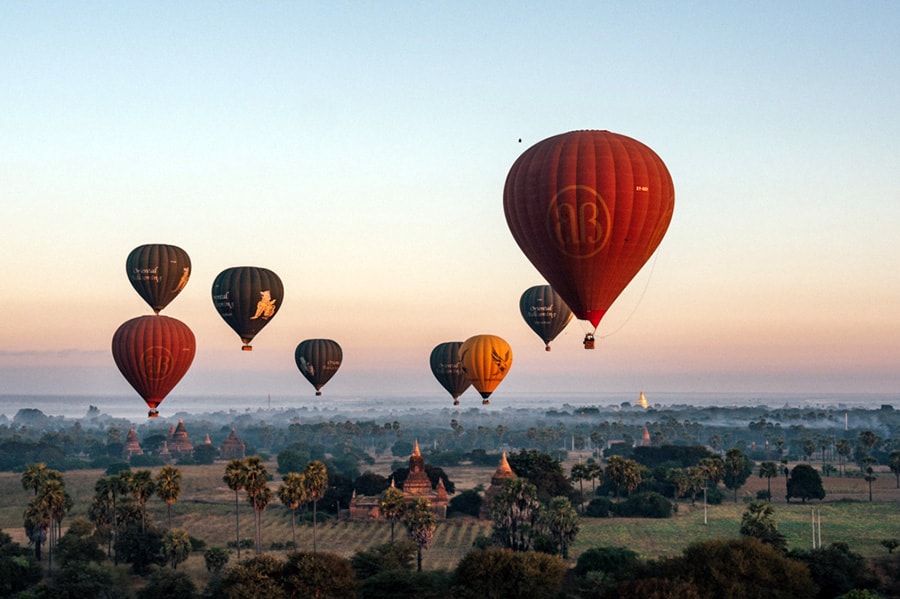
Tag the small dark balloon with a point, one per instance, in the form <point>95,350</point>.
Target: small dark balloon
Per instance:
<point>520,140</point>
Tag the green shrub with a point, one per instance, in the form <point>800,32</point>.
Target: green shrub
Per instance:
<point>598,507</point>
<point>644,505</point>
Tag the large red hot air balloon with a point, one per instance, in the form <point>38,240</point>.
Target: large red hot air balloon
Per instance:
<point>153,353</point>
<point>588,208</point>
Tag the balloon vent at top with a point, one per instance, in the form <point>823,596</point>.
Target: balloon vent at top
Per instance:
<point>588,209</point>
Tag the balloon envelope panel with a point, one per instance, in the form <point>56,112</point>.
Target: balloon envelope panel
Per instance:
<point>588,209</point>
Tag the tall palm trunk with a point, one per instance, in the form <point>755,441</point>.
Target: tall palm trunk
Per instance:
<point>315,524</point>
<point>294,528</point>
<point>237,525</point>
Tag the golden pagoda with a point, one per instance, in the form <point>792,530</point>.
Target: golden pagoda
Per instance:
<point>502,474</point>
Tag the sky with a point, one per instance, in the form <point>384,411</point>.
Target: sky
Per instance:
<point>359,150</point>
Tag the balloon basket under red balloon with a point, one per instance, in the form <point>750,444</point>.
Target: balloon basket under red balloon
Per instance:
<point>485,402</point>
<point>152,414</point>
<point>588,341</point>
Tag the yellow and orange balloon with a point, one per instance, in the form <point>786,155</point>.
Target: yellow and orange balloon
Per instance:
<point>485,359</point>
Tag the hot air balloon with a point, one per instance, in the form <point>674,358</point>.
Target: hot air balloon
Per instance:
<point>446,368</point>
<point>485,360</point>
<point>153,353</point>
<point>318,360</point>
<point>588,209</point>
<point>247,298</point>
<point>158,272</point>
<point>545,312</point>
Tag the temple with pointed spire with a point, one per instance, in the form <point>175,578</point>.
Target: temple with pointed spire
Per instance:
<point>132,447</point>
<point>178,441</point>
<point>502,474</point>
<point>232,448</point>
<point>417,485</point>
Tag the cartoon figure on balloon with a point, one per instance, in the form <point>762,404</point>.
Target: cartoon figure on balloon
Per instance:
<point>265,308</point>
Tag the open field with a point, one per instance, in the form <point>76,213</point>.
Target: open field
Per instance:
<point>206,510</point>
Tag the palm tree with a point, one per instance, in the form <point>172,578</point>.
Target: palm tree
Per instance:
<point>870,476</point>
<point>624,473</point>
<point>168,487</point>
<point>894,464</point>
<point>580,473</point>
<point>316,477</point>
<point>514,511</point>
<point>142,487</point>
<point>595,471</point>
<point>392,505</point>
<point>844,449</point>
<point>108,490</point>
<point>292,493</point>
<point>34,476</point>
<point>236,477</point>
<point>176,546</point>
<point>758,521</point>
<point>681,480</point>
<point>37,523</point>
<point>768,470</point>
<point>258,493</point>
<point>561,521</point>
<point>59,503</point>
<point>711,470</point>
<point>420,524</point>
<point>736,469</point>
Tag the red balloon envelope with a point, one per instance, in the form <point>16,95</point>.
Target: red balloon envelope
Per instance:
<point>153,353</point>
<point>588,208</point>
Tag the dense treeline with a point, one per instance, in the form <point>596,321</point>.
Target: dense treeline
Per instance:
<point>833,437</point>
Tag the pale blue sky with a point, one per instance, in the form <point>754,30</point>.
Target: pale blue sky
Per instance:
<point>359,150</point>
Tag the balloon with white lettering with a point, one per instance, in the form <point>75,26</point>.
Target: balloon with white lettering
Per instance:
<point>545,312</point>
<point>158,272</point>
<point>447,369</point>
<point>318,360</point>
<point>247,298</point>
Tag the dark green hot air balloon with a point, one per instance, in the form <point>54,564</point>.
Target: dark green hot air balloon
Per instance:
<point>247,298</point>
<point>318,360</point>
<point>545,312</point>
<point>158,272</point>
<point>447,370</point>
